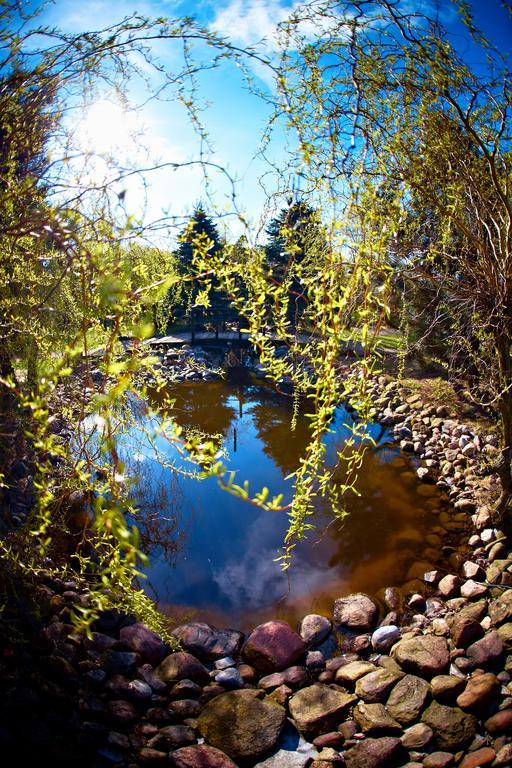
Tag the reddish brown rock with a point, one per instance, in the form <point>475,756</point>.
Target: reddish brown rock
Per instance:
<point>200,756</point>
<point>465,631</point>
<point>478,758</point>
<point>500,723</point>
<point>138,638</point>
<point>273,646</point>
<point>486,650</point>
<point>480,691</point>
<point>373,753</point>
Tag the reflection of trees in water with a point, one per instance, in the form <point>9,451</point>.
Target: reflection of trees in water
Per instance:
<point>204,407</point>
<point>273,416</point>
<point>159,505</point>
<point>385,519</point>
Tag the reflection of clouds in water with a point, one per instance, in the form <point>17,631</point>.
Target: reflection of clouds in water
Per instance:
<point>257,580</point>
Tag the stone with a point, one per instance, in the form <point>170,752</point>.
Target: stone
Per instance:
<point>505,633</point>
<point>208,642</point>
<point>496,569</point>
<point>465,631</point>
<point>178,735</point>
<point>149,755</point>
<point>374,720</point>
<point>183,708</point>
<point>472,590</point>
<point>283,758</point>
<point>241,724</point>
<point>122,712</point>
<point>182,665</point>
<point>453,729</point>
<point>408,699</point>
<point>349,674</point>
<point>503,757</point>
<point>471,570</point>
<point>224,663</point>
<point>273,646</point>
<point>294,677</point>
<point>486,650</point>
<point>425,655</point>
<point>500,723</point>
<point>500,610</point>
<point>138,638</point>
<point>314,628</point>
<point>119,662</point>
<point>478,758</point>
<point>417,736</point>
<point>318,709</point>
<point>384,637</point>
<point>375,686</point>
<point>334,739</point>
<point>479,693</point>
<point>438,760</point>
<point>448,586</point>
<point>373,753</point>
<point>229,678</point>
<point>357,612</point>
<point>446,688</point>
<point>200,756</point>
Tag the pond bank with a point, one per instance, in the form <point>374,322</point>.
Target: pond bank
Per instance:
<point>421,678</point>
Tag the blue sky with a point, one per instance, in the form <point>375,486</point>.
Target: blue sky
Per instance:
<point>235,118</point>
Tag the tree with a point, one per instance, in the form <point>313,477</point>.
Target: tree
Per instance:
<point>389,115</point>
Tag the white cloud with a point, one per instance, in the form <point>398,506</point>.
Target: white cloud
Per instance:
<point>251,21</point>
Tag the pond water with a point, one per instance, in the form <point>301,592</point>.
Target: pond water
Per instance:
<point>213,556</point>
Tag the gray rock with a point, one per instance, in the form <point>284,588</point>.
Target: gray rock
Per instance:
<point>285,759</point>
<point>314,628</point>
<point>357,612</point>
<point>230,678</point>
<point>384,637</point>
<point>208,642</point>
<point>408,699</point>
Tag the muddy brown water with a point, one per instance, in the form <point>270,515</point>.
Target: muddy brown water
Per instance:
<point>213,556</point>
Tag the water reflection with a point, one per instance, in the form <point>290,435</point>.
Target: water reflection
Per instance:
<point>223,564</point>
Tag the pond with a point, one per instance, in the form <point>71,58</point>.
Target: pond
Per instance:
<point>213,556</point>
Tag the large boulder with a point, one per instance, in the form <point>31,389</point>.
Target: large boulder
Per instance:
<point>182,666</point>
<point>453,729</point>
<point>318,709</point>
<point>138,638</point>
<point>408,699</point>
<point>425,655</point>
<point>373,753</point>
<point>241,724</point>
<point>207,642</point>
<point>357,612</point>
<point>273,646</point>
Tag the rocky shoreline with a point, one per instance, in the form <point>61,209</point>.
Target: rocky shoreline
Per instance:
<point>423,677</point>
